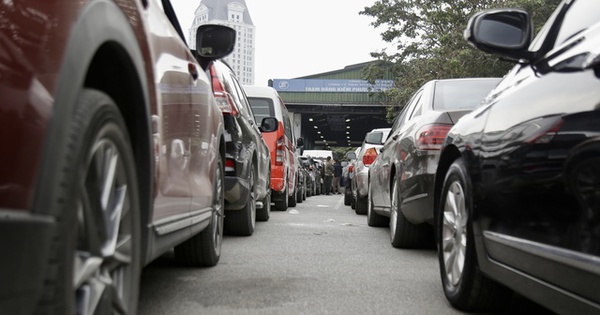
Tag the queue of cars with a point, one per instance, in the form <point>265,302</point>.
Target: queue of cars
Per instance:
<point>508,192</point>
<point>125,144</point>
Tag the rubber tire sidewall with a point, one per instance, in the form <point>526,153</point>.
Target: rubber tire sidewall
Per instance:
<point>459,295</point>
<point>94,111</point>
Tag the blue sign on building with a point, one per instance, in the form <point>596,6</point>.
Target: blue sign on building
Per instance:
<point>331,86</point>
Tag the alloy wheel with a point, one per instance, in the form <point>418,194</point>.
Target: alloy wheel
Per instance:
<point>454,233</point>
<point>104,255</point>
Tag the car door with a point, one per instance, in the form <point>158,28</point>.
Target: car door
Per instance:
<point>173,121</point>
<point>390,157</point>
<point>539,156</point>
<point>263,166</point>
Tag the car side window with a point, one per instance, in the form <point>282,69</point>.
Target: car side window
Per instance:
<point>241,98</point>
<point>581,15</point>
<point>287,123</point>
<point>405,112</point>
<point>411,107</point>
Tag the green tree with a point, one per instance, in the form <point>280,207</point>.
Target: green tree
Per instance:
<point>428,37</point>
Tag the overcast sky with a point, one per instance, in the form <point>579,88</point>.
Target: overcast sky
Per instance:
<point>296,38</point>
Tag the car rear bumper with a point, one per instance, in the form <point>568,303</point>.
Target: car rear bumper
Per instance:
<point>25,242</point>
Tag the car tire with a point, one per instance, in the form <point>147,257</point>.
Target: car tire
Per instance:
<point>96,181</point>
<point>362,205</point>
<point>299,194</point>
<point>282,205</point>
<point>404,234</point>
<point>465,287</point>
<point>265,213</point>
<point>292,201</point>
<point>373,218</point>
<point>347,199</point>
<point>204,248</point>
<point>243,222</point>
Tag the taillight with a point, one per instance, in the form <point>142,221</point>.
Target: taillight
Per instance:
<point>350,168</point>
<point>280,151</point>
<point>222,98</point>
<point>229,165</point>
<point>432,137</point>
<point>369,156</point>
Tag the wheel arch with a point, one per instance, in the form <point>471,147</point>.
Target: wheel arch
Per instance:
<point>448,156</point>
<point>102,53</point>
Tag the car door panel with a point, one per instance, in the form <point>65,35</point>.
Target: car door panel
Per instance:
<point>552,228</point>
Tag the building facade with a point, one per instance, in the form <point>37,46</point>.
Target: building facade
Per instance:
<point>235,14</point>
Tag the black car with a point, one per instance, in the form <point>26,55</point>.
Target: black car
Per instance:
<point>247,156</point>
<point>518,182</point>
<point>401,177</point>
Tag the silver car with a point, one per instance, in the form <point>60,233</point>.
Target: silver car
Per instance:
<point>369,150</point>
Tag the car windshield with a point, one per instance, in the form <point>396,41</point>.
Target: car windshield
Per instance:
<point>461,94</point>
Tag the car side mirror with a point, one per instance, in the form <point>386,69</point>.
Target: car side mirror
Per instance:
<point>213,42</point>
<point>269,124</point>
<point>300,142</point>
<point>504,32</point>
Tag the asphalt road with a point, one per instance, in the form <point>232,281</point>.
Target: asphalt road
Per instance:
<point>316,258</point>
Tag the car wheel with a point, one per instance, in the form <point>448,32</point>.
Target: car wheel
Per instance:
<point>204,248</point>
<point>404,234</point>
<point>374,219</point>
<point>464,285</point>
<point>242,222</point>
<point>347,198</point>
<point>362,205</point>
<point>304,192</point>
<point>299,194</point>
<point>353,202</point>
<point>96,261</point>
<point>292,200</point>
<point>282,204</point>
<point>265,213</point>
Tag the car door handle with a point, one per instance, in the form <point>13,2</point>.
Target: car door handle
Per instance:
<point>193,70</point>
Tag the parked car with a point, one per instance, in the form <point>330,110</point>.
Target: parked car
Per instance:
<point>348,176</point>
<point>516,194</point>
<point>108,161</point>
<point>303,179</point>
<point>247,157</point>
<point>401,178</point>
<point>366,156</point>
<point>265,102</point>
<point>311,182</point>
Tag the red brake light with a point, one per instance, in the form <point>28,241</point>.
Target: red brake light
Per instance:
<point>370,156</point>
<point>229,165</point>
<point>351,168</point>
<point>223,99</point>
<point>432,137</point>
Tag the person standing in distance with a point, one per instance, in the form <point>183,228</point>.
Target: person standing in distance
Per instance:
<point>337,176</point>
<point>328,169</point>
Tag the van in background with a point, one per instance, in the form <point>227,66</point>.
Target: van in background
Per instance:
<point>266,102</point>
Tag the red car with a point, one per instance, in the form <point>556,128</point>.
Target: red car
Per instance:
<point>112,151</point>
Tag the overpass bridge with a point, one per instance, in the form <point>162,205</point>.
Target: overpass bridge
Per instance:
<point>334,109</point>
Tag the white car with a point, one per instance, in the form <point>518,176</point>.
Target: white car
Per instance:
<point>368,153</point>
